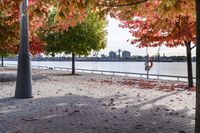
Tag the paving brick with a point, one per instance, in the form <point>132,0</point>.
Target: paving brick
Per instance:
<point>73,104</point>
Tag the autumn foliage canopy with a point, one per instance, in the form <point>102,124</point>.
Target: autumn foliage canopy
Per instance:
<point>151,22</point>
<point>158,22</point>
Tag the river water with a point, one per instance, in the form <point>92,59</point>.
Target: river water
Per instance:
<point>162,68</point>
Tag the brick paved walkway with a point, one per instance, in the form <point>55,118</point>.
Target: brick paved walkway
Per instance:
<point>72,104</point>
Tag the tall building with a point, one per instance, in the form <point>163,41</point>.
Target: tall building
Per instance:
<point>103,56</point>
<point>112,55</point>
<point>126,55</point>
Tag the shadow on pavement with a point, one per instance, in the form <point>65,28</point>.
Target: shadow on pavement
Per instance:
<point>13,77</point>
<point>82,114</point>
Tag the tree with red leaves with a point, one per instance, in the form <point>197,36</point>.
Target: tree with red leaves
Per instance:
<point>9,31</point>
<point>152,29</point>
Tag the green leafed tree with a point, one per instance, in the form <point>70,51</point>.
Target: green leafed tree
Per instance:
<point>90,35</point>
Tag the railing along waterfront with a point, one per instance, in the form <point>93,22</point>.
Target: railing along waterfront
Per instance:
<point>106,72</point>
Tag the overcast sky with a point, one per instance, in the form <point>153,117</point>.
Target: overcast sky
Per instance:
<point>117,39</point>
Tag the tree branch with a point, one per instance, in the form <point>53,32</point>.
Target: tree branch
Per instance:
<point>120,5</point>
<point>193,47</point>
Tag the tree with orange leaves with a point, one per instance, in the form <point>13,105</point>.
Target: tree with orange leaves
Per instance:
<point>153,29</point>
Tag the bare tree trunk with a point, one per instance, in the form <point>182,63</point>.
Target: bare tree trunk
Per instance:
<point>197,118</point>
<point>73,63</point>
<point>2,61</point>
<point>189,63</point>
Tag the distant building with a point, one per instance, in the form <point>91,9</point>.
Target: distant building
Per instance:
<point>103,56</point>
<point>112,55</point>
<point>126,55</point>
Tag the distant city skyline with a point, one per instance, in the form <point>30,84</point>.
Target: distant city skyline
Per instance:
<point>117,39</point>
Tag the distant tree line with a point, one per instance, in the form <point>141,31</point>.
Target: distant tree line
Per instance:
<point>132,58</point>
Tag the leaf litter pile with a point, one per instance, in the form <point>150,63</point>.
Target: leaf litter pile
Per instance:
<point>166,86</point>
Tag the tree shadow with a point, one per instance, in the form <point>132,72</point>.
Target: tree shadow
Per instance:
<point>8,99</point>
<point>13,77</point>
<point>64,74</point>
<point>7,77</point>
<point>76,113</point>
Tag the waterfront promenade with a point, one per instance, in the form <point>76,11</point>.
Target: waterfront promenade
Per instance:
<point>89,103</point>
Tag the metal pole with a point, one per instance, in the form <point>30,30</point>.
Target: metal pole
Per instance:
<point>24,78</point>
<point>147,66</point>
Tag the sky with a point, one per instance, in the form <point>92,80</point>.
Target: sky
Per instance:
<point>117,39</point>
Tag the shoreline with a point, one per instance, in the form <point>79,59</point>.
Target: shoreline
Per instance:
<point>152,76</point>
<point>105,61</point>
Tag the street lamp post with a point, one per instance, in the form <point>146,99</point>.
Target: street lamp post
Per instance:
<point>24,78</point>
